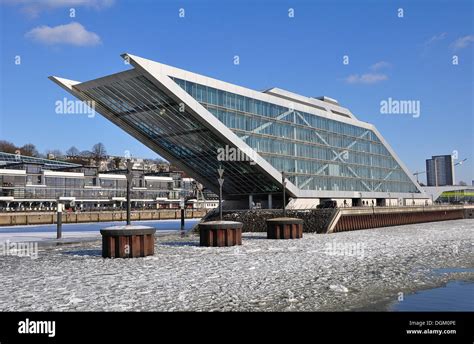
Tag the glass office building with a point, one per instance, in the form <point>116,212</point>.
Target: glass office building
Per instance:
<point>324,150</point>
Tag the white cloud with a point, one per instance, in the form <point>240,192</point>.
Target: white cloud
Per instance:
<point>462,42</point>
<point>34,7</point>
<point>380,65</point>
<point>367,78</point>
<point>434,39</point>
<point>372,77</point>
<point>72,34</point>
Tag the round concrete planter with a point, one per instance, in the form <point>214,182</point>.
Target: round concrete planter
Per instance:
<point>284,228</point>
<point>220,233</point>
<point>128,241</point>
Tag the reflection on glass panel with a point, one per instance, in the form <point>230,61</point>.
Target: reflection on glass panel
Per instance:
<point>153,115</point>
<point>318,153</point>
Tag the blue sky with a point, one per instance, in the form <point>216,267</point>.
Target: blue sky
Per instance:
<point>408,58</point>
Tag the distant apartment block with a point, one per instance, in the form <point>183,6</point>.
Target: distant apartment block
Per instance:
<point>440,170</point>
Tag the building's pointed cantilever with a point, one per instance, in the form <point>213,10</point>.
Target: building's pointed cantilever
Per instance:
<point>64,83</point>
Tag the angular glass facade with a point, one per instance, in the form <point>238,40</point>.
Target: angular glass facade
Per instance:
<point>187,118</point>
<point>316,152</point>
<point>138,103</point>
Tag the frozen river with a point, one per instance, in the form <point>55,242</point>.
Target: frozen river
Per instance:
<point>367,269</point>
<point>96,226</point>
<point>74,231</point>
<point>455,296</point>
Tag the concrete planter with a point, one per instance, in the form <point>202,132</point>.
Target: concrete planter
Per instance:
<point>220,233</point>
<point>284,228</point>
<point>128,241</point>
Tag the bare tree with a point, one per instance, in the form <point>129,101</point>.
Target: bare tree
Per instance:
<point>73,151</point>
<point>7,147</point>
<point>86,154</point>
<point>98,151</point>
<point>29,149</point>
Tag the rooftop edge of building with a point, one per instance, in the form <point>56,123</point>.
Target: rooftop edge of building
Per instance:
<point>323,103</point>
<point>327,104</point>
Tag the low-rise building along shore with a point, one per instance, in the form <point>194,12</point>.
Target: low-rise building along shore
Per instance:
<point>35,184</point>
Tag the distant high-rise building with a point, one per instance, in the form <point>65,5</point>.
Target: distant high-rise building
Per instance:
<point>440,170</point>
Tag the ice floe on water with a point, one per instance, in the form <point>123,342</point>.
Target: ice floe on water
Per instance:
<point>338,288</point>
<point>340,271</point>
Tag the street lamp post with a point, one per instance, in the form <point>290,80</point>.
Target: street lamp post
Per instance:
<point>129,184</point>
<point>59,220</point>
<point>220,170</point>
<point>182,206</point>
<point>283,183</point>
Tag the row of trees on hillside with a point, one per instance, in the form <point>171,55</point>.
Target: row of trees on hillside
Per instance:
<point>96,156</point>
<point>98,151</point>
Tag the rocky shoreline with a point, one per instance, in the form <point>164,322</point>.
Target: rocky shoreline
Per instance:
<point>314,220</point>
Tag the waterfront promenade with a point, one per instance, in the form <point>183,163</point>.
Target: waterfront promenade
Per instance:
<point>40,218</point>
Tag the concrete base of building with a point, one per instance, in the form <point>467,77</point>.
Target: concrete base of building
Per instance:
<point>312,203</point>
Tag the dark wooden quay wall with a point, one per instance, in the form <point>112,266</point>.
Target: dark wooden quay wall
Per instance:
<point>354,222</point>
<point>347,219</point>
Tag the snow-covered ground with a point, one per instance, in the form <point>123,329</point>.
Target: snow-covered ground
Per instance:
<point>343,271</point>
